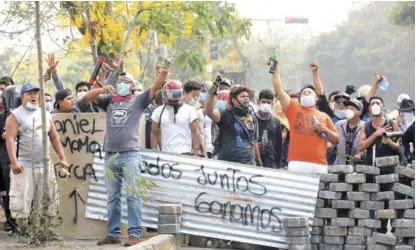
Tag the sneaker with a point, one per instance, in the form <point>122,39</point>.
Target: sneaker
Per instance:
<point>109,240</point>
<point>7,227</point>
<point>132,241</point>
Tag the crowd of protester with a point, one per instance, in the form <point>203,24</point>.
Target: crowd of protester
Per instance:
<point>302,132</point>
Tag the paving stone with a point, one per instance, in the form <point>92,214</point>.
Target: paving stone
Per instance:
<point>340,187</point>
<point>403,223</point>
<point>342,204</point>
<point>343,222</point>
<point>340,169</point>
<point>295,221</point>
<point>329,195</point>
<point>300,247</point>
<point>359,213</point>
<point>369,187</point>
<point>318,222</point>
<point>317,230</point>
<point>386,214</point>
<point>169,228</point>
<point>387,178</point>
<point>360,231</point>
<point>385,239</point>
<point>378,247</point>
<point>404,247</point>
<point>170,209</point>
<point>372,205</point>
<point>409,213</point>
<point>355,240</point>
<point>335,231</point>
<point>401,204</point>
<point>355,178</point>
<point>325,213</point>
<point>316,239</point>
<point>405,232</point>
<point>297,231</point>
<point>382,196</point>
<point>323,246</point>
<point>358,196</point>
<point>298,240</point>
<point>405,171</point>
<point>354,247</point>
<point>403,189</point>
<point>169,219</point>
<point>329,177</point>
<point>370,223</point>
<point>370,170</point>
<point>388,161</point>
<point>333,239</point>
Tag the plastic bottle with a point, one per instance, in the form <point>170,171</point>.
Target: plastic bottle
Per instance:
<point>315,122</point>
<point>273,61</point>
<point>383,84</point>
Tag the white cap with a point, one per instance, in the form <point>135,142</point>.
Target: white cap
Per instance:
<point>401,97</point>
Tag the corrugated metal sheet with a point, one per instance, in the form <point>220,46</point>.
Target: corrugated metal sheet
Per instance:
<point>286,195</point>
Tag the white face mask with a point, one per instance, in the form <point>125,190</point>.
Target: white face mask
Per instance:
<point>340,114</point>
<point>265,107</point>
<point>349,114</point>
<point>81,95</point>
<point>30,106</point>
<point>307,101</point>
<point>48,106</point>
<point>407,120</point>
<point>376,110</point>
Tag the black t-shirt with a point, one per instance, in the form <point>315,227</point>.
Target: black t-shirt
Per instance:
<point>4,157</point>
<point>273,144</point>
<point>237,137</point>
<point>349,139</point>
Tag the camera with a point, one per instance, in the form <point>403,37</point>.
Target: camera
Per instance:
<point>350,89</point>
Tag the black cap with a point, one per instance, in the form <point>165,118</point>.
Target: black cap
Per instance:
<point>62,94</point>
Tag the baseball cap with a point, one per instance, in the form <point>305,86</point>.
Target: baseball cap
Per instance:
<point>342,95</point>
<point>401,97</point>
<point>126,77</point>
<point>28,87</point>
<point>354,102</point>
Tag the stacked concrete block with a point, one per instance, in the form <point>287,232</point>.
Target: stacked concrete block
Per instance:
<point>170,218</point>
<point>297,233</point>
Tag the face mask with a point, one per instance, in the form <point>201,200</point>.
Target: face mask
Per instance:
<point>221,105</point>
<point>30,106</point>
<point>407,120</point>
<point>376,110</point>
<point>339,113</point>
<point>203,97</point>
<point>123,89</point>
<point>191,102</point>
<point>48,106</point>
<point>349,114</point>
<point>81,95</point>
<point>307,101</point>
<point>243,110</point>
<point>265,108</point>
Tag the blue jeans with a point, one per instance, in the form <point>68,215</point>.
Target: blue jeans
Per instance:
<point>118,167</point>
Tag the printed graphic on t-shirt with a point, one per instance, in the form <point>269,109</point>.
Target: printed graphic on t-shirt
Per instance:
<point>303,125</point>
<point>120,112</point>
<point>239,131</point>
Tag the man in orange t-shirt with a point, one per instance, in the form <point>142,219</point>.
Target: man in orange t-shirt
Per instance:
<point>309,128</point>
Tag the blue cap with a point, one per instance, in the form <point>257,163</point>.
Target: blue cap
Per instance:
<point>28,87</point>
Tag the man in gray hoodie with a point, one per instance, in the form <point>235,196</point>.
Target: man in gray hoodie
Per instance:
<point>349,133</point>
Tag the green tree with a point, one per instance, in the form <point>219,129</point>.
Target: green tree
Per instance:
<point>403,13</point>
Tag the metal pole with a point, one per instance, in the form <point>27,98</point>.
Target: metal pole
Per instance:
<point>45,143</point>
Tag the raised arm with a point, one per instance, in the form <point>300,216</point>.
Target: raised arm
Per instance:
<point>283,97</point>
<point>210,109</point>
<point>319,87</point>
<point>52,66</point>
<point>92,95</point>
<point>374,87</point>
<point>157,84</point>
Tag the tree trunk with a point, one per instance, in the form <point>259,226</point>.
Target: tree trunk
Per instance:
<point>92,34</point>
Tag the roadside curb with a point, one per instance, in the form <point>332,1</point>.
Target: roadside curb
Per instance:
<point>158,242</point>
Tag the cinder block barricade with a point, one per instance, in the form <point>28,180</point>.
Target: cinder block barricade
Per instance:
<point>170,218</point>
<point>360,209</point>
<point>297,233</point>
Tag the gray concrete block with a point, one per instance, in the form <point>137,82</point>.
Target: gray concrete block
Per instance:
<point>340,169</point>
<point>295,221</point>
<point>297,231</point>
<point>400,204</point>
<point>412,183</point>
<point>324,246</point>
<point>318,222</point>
<point>358,196</point>
<point>369,187</point>
<point>388,161</point>
<point>403,223</point>
<point>405,232</point>
<point>300,247</point>
<point>329,195</point>
<point>355,247</point>
<point>343,222</point>
<point>405,172</point>
<point>370,170</point>
<point>333,239</point>
<point>316,239</point>
<point>170,209</point>
<point>372,205</point>
<point>371,240</point>
<point>355,240</point>
<point>378,247</point>
<point>409,213</point>
<point>315,246</point>
<point>385,239</point>
<point>404,247</point>
<point>370,223</point>
<point>382,196</point>
<point>322,185</point>
<point>169,228</point>
<point>340,187</point>
<point>355,178</point>
<point>342,204</point>
<point>320,203</point>
<point>386,214</point>
<point>335,231</point>
<point>359,213</point>
<point>403,189</point>
<point>411,241</point>
<point>360,231</point>
<point>317,230</point>
<point>169,219</point>
<point>298,240</point>
<point>326,213</point>
<point>387,178</point>
<point>329,177</point>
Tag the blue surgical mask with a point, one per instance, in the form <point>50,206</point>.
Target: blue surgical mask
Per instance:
<point>123,89</point>
<point>221,105</point>
<point>30,106</point>
<point>191,102</point>
<point>203,97</point>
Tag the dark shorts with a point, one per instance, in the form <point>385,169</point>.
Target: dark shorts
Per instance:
<point>4,178</point>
